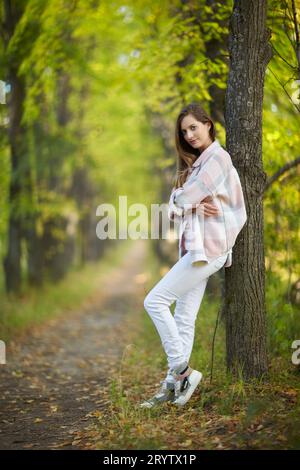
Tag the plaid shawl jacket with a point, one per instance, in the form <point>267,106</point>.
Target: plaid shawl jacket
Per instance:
<point>212,176</point>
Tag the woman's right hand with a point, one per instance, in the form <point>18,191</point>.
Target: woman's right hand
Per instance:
<point>207,208</point>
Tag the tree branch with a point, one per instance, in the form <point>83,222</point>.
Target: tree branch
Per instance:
<point>286,92</point>
<point>281,171</point>
<point>297,35</point>
<point>279,55</point>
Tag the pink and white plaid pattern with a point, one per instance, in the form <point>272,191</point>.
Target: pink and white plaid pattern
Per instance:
<point>207,237</point>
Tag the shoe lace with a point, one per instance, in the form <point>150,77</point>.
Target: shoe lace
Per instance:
<point>180,386</point>
<point>184,384</point>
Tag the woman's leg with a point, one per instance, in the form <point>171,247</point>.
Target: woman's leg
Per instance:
<point>181,278</point>
<point>185,315</point>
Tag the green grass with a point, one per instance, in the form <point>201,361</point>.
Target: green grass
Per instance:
<point>19,313</point>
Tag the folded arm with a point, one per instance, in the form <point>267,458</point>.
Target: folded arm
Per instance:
<point>205,207</point>
<point>207,182</point>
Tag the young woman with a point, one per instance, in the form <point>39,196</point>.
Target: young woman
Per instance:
<point>207,200</point>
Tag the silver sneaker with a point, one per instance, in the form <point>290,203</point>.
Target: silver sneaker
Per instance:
<point>165,393</point>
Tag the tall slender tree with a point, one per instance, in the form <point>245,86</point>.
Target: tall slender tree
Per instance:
<point>12,12</point>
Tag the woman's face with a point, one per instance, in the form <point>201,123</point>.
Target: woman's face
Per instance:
<point>195,132</point>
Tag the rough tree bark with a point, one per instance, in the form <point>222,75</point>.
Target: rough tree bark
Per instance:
<point>244,306</point>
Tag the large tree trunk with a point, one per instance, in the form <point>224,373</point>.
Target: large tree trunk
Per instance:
<point>244,306</point>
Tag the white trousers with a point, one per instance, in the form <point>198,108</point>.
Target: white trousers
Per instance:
<point>185,283</point>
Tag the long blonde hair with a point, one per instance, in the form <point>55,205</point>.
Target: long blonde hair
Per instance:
<point>186,154</point>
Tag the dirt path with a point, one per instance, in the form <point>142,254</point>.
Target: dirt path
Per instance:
<point>49,387</point>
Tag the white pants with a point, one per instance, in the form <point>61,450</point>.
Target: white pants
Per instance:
<point>185,283</point>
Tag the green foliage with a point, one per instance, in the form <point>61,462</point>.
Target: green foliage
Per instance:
<point>283,317</point>
<point>281,143</point>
